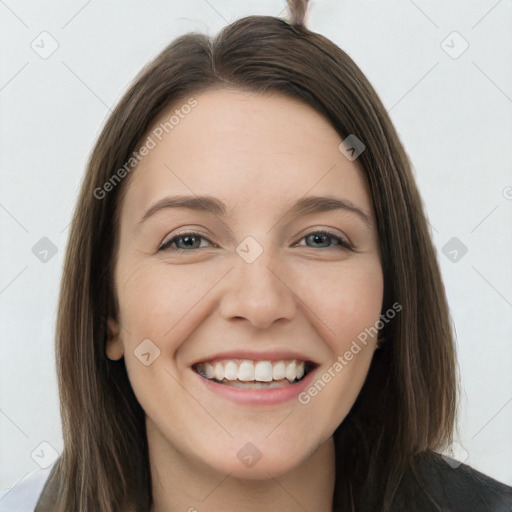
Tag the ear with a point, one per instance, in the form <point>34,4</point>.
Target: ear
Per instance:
<point>114,347</point>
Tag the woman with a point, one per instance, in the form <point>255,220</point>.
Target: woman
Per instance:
<point>251,314</point>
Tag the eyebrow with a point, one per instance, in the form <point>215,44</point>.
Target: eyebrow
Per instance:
<point>304,206</point>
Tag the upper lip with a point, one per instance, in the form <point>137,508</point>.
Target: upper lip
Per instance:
<point>266,355</point>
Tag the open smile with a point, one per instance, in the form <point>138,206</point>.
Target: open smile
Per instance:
<point>247,373</point>
<point>254,375</point>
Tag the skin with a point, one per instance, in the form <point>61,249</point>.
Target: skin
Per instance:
<point>258,154</point>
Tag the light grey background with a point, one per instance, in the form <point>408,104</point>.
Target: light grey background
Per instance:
<point>454,116</point>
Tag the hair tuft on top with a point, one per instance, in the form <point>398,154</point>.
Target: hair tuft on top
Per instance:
<point>297,9</point>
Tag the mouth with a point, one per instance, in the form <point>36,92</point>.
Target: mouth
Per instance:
<point>262,374</point>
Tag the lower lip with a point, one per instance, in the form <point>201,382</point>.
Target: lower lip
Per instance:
<point>259,396</point>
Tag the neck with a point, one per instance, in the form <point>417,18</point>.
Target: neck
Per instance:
<point>180,485</point>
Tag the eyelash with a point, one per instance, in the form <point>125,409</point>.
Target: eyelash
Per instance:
<point>343,244</point>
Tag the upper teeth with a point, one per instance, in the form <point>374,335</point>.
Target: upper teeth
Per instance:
<point>246,370</point>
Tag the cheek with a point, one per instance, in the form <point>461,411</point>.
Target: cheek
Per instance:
<point>346,298</point>
<point>160,306</point>
<point>155,298</point>
<point>349,303</point>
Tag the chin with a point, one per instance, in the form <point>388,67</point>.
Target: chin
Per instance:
<point>263,469</point>
<point>251,463</point>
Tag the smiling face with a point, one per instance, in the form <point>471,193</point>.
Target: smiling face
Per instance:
<point>246,279</point>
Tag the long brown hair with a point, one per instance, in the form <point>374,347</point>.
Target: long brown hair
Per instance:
<point>407,405</point>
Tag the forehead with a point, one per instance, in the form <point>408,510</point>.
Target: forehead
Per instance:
<point>249,150</point>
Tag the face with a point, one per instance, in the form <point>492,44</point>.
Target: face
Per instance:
<point>222,308</point>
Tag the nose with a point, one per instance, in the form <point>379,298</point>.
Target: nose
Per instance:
<point>258,293</point>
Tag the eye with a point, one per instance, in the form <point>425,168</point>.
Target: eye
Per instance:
<point>187,240</point>
<point>192,240</point>
<point>320,237</point>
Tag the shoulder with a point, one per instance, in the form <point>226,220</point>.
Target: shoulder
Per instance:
<point>441,484</point>
<point>23,495</point>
